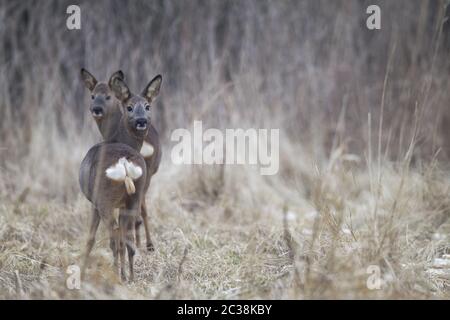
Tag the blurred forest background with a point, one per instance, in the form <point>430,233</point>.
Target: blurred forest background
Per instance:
<point>364,119</point>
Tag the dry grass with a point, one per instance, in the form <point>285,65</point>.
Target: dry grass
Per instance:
<point>353,190</point>
<point>238,247</point>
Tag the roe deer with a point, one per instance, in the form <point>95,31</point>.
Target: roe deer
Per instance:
<point>108,122</point>
<point>113,175</point>
<point>105,108</point>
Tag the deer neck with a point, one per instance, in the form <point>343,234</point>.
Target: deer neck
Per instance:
<point>128,136</point>
<point>108,126</point>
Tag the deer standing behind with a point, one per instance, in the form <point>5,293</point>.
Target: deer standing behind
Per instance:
<point>106,111</point>
<point>113,175</point>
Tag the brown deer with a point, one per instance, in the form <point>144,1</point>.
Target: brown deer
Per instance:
<point>107,114</point>
<point>113,175</point>
<point>105,108</point>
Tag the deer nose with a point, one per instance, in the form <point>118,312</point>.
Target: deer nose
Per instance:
<point>141,124</point>
<point>97,111</point>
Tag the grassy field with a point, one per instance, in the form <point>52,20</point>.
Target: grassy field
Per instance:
<point>248,237</point>
<point>364,120</point>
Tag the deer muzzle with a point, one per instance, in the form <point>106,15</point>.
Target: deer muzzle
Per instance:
<point>141,124</point>
<point>97,112</point>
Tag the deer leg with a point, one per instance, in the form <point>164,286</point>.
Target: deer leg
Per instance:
<point>129,240</point>
<point>114,243</point>
<point>95,221</point>
<point>122,246</point>
<point>149,245</point>
<point>137,228</point>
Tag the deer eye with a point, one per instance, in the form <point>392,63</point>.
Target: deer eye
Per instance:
<point>129,108</point>
<point>108,97</point>
<point>92,97</point>
<point>147,107</point>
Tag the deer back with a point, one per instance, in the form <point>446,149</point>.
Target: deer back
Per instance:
<point>97,187</point>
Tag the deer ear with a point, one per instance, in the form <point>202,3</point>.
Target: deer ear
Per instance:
<point>152,89</point>
<point>120,89</point>
<point>118,74</point>
<point>89,80</point>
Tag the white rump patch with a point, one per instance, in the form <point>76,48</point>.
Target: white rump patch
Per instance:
<point>122,169</point>
<point>147,150</point>
<point>117,172</point>
<point>133,171</point>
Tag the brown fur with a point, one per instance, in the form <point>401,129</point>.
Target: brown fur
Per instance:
<point>112,130</point>
<point>106,194</point>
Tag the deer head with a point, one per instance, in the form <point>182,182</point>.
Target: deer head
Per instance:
<point>136,108</point>
<point>103,103</point>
